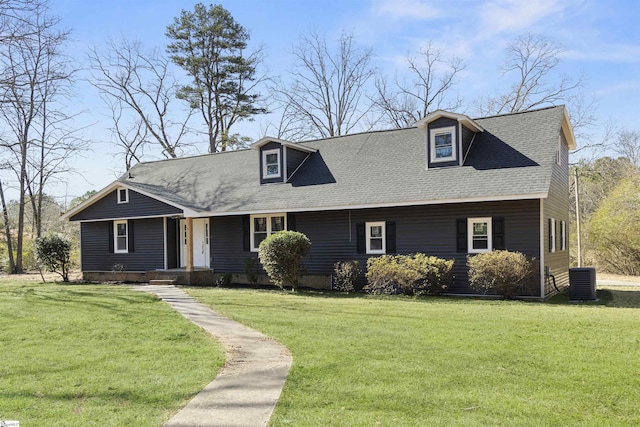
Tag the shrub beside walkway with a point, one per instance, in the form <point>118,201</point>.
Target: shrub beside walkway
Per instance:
<point>246,390</point>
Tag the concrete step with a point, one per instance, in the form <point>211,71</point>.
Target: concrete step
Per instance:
<point>162,282</point>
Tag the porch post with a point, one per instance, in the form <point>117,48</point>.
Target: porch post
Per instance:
<point>189,223</point>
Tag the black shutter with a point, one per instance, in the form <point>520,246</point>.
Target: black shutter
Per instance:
<point>498,234</point>
<point>291,222</point>
<point>246,233</point>
<point>390,235</point>
<point>557,236</point>
<point>110,234</point>
<point>461,235</point>
<point>550,235</point>
<point>130,237</point>
<point>361,245</point>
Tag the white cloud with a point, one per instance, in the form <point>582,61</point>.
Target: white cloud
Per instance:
<point>516,15</point>
<point>415,9</point>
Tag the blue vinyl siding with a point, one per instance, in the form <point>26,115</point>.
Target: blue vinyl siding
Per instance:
<point>148,242</point>
<point>294,159</point>
<point>138,205</point>
<point>428,229</point>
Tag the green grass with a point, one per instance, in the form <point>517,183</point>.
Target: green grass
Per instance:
<point>376,361</point>
<point>97,355</point>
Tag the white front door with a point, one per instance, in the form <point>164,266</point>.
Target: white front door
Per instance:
<point>200,242</point>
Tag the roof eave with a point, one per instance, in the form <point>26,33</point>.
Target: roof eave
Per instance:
<point>119,184</point>
<point>567,129</point>
<point>464,119</point>
<point>267,139</point>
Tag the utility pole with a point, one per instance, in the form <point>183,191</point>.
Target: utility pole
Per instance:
<point>575,180</point>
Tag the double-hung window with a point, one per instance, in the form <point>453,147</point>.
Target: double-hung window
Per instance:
<point>376,237</point>
<point>120,236</point>
<point>479,235</point>
<point>271,167</point>
<point>563,235</point>
<point>552,235</point>
<point>443,144</point>
<point>265,225</point>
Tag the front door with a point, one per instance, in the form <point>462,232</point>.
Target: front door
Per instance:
<point>200,242</point>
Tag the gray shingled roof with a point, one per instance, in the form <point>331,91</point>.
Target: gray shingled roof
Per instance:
<point>513,157</point>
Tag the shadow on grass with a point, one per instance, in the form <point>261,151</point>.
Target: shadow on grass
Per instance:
<point>619,298</point>
<point>609,297</point>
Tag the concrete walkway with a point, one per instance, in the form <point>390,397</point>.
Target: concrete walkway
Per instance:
<point>246,390</point>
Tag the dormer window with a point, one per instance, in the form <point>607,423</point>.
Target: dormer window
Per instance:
<point>271,164</point>
<point>443,144</point>
<point>123,195</point>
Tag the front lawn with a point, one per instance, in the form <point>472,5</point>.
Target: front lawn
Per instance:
<point>376,361</point>
<point>82,355</point>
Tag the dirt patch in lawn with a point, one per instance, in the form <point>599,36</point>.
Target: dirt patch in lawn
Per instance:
<point>35,276</point>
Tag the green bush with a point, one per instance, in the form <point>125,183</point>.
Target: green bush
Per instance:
<point>346,274</point>
<point>416,274</point>
<point>281,256</point>
<point>427,274</point>
<point>506,273</point>
<point>53,252</point>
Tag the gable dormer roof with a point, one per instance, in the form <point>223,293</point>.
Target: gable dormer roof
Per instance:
<point>267,139</point>
<point>461,118</point>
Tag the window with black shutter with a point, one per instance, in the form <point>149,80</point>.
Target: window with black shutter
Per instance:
<point>461,235</point>
<point>498,234</point>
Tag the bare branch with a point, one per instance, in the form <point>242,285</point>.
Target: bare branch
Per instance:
<point>139,89</point>
<point>434,78</point>
<point>325,96</point>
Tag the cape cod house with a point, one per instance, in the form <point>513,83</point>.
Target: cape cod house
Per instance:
<point>450,186</point>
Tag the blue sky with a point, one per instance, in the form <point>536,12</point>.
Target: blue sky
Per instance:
<point>601,40</point>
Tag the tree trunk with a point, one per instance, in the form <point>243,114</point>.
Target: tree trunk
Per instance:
<point>7,231</point>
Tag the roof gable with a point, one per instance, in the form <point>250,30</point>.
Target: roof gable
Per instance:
<point>461,118</point>
<point>267,139</point>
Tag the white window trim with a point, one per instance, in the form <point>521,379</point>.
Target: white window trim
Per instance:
<point>115,237</point>
<point>368,226</point>
<point>126,195</point>
<point>552,230</point>
<point>268,217</point>
<point>563,235</point>
<point>432,144</point>
<point>559,151</point>
<point>470,222</point>
<point>265,153</point>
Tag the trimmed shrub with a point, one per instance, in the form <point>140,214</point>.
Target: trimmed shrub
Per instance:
<point>506,273</point>
<point>346,273</point>
<point>382,273</point>
<point>281,256</point>
<point>53,252</point>
<point>427,274</point>
<point>416,274</point>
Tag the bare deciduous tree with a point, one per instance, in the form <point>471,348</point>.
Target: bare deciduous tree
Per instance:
<point>403,103</point>
<point>627,144</point>
<point>33,77</point>
<point>139,89</point>
<point>326,89</point>
<point>532,60</point>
